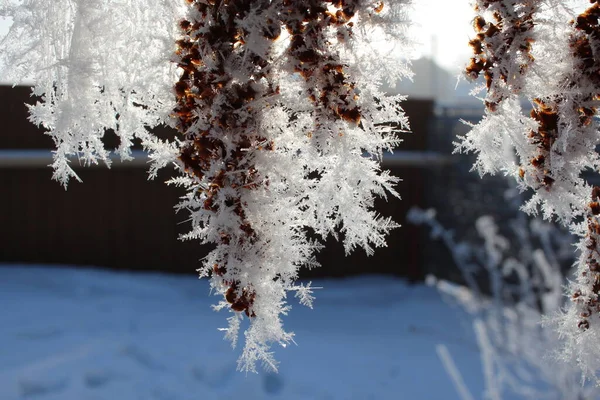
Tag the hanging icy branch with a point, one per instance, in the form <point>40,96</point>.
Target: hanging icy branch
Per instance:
<point>503,47</point>
<point>267,158</point>
<point>225,86</point>
<point>577,129</point>
<point>566,134</point>
<point>585,296</point>
<point>556,143</point>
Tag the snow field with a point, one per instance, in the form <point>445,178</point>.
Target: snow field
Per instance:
<point>81,334</point>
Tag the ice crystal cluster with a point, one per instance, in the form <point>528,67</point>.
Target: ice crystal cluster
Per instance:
<point>97,65</point>
<point>281,123</point>
<point>541,66</point>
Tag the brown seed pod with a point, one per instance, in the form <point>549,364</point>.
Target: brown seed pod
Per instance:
<point>219,270</point>
<point>185,25</point>
<point>474,68</point>
<point>595,193</point>
<point>583,325</point>
<point>352,115</point>
<point>230,294</point>
<point>538,161</point>
<point>586,313</point>
<point>479,23</point>
<point>180,88</point>
<point>492,30</point>
<point>492,106</point>
<point>548,181</point>
<point>476,45</point>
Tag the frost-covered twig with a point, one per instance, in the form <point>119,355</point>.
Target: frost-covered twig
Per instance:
<point>267,156</point>
<point>454,373</point>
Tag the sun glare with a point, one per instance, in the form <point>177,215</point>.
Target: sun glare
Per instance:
<point>442,30</point>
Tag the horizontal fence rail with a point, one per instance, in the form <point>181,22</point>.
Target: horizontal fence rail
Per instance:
<point>43,158</point>
<point>18,158</point>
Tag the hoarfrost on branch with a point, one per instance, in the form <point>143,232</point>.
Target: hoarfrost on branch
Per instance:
<point>541,65</point>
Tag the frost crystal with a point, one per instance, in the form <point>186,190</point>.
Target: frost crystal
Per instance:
<point>280,116</point>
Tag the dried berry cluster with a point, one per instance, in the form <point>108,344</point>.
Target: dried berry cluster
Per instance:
<point>217,114</point>
<point>587,75</point>
<point>502,47</point>
<point>587,298</point>
<point>586,40</point>
<point>585,44</point>
<point>274,129</point>
<point>329,87</point>
<point>223,86</point>
<point>546,115</point>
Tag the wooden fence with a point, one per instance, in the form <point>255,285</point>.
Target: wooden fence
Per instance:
<point>118,219</point>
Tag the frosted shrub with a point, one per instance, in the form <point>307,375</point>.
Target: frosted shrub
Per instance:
<point>541,53</point>
<point>512,282</point>
<point>279,111</point>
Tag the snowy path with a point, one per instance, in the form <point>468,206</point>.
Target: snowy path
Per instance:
<point>74,334</point>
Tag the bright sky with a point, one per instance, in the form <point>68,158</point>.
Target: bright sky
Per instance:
<point>443,28</point>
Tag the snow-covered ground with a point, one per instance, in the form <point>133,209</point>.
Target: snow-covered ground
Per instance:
<point>81,334</point>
